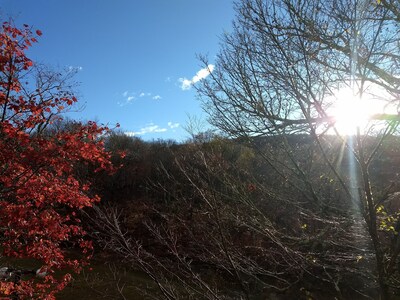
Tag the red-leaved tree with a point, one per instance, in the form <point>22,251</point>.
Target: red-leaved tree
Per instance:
<point>40,193</point>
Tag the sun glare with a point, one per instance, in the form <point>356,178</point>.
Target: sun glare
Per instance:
<point>351,111</point>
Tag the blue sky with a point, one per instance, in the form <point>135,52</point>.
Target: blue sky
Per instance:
<point>136,59</point>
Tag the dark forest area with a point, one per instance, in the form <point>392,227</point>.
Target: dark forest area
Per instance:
<point>212,218</point>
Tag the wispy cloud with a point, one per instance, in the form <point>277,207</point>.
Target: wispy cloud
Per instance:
<point>129,97</point>
<point>142,94</point>
<point>153,128</point>
<point>150,128</point>
<point>173,125</point>
<point>201,74</point>
<point>74,68</point>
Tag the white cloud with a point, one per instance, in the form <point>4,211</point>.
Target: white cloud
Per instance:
<point>173,125</point>
<point>129,133</point>
<point>186,83</point>
<point>74,68</point>
<point>129,97</point>
<point>201,74</point>
<point>142,94</point>
<point>150,128</point>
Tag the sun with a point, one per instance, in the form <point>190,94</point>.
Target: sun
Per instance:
<point>352,111</point>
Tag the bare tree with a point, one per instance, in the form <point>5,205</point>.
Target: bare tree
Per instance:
<point>278,74</point>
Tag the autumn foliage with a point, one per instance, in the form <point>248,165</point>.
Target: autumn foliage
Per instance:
<point>40,193</point>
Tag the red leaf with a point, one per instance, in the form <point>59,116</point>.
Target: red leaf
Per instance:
<point>38,184</point>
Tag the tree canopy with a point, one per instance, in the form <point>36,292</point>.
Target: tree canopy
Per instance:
<point>40,192</point>
<point>281,68</point>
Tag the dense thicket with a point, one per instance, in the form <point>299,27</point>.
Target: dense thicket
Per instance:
<point>212,220</point>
